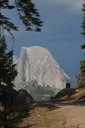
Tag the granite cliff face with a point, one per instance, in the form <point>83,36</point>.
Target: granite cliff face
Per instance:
<point>37,64</point>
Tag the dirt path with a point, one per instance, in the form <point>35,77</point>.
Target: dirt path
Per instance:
<point>54,115</point>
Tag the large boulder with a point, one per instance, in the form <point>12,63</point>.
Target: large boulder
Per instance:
<point>23,97</point>
<point>13,98</point>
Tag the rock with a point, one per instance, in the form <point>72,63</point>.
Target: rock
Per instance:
<point>64,93</point>
<point>23,97</point>
<point>36,63</point>
<point>13,98</point>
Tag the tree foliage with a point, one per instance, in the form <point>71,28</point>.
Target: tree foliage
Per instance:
<point>28,14</point>
<point>81,76</point>
<point>7,68</point>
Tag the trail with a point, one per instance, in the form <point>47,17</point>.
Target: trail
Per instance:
<point>50,114</point>
<point>67,111</point>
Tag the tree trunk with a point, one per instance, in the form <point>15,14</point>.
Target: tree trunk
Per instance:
<point>3,115</point>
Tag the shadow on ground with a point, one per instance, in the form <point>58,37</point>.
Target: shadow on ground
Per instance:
<point>16,115</point>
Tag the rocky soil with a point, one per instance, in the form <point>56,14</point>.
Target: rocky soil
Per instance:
<point>66,111</point>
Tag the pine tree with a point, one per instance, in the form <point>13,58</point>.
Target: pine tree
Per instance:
<point>7,68</point>
<point>7,76</point>
<point>27,13</point>
<point>81,76</point>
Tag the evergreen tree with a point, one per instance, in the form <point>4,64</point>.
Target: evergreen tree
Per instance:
<point>7,68</point>
<point>81,76</point>
<point>27,12</point>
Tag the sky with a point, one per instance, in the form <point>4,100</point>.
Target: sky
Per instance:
<point>60,32</point>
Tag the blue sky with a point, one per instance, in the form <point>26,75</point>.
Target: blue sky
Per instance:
<point>60,32</point>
